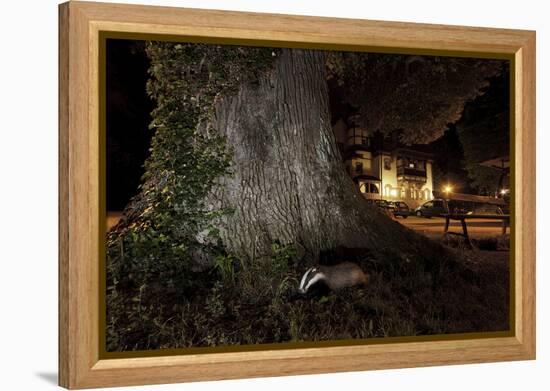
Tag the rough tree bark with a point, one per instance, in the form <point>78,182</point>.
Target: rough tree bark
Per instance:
<point>289,184</point>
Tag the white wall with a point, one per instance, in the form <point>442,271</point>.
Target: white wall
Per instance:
<point>389,177</point>
<point>429,179</point>
<point>369,164</point>
<point>28,196</point>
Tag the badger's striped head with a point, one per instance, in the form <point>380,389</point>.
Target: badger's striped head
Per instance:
<point>310,277</point>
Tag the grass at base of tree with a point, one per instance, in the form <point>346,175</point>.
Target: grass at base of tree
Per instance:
<point>236,305</point>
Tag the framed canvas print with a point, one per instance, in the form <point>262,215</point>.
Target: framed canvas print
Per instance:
<point>247,195</point>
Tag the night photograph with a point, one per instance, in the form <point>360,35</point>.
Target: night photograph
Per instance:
<point>259,195</point>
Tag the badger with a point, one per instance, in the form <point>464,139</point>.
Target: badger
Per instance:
<point>343,275</point>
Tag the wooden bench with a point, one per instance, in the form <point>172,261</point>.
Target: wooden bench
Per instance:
<point>462,217</point>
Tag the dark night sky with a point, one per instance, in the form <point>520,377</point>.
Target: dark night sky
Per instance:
<point>128,118</point>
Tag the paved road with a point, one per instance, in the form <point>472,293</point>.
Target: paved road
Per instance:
<point>430,227</point>
<point>434,227</point>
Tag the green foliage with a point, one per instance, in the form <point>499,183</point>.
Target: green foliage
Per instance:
<point>448,166</point>
<point>224,264</point>
<point>418,94</point>
<point>169,226</point>
<point>268,279</point>
<point>281,255</point>
<point>484,131</point>
<point>187,154</point>
<point>259,303</point>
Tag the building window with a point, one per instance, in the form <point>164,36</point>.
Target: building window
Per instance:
<point>358,136</point>
<point>411,164</point>
<point>359,168</point>
<point>387,164</point>
<point>370,188</point>
<point>390,191</point>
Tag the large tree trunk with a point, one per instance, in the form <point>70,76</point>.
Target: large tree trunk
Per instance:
<point>289,184</point>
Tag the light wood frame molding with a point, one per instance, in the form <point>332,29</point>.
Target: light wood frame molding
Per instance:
<point>80,24</point>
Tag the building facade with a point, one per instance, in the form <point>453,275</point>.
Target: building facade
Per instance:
<point>382,169</point>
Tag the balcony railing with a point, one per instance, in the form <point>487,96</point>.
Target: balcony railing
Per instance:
<point>405,171</point>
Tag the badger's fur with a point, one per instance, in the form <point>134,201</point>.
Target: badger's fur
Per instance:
<point>336,277</point>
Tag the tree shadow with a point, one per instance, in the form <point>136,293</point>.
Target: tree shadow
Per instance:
<point>49,377</point>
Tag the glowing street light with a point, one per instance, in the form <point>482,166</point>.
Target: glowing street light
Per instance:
<point>504,191</point>
<point>448,189</point>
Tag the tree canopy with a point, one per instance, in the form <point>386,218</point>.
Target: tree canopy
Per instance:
<point>419,95</point>
<point>484,133</point>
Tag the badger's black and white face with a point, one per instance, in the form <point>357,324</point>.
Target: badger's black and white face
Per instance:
<point>310,277</point>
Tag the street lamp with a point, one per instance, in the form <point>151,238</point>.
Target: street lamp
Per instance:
<point>448,189</point>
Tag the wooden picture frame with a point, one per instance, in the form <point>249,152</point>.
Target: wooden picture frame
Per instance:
<point>81,24</point>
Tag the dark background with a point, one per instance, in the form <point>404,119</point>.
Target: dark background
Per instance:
<point>128,118</point>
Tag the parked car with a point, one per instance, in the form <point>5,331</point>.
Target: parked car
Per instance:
<point>383,204</point>
<point>400,208</point>
<point>431,209</point>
